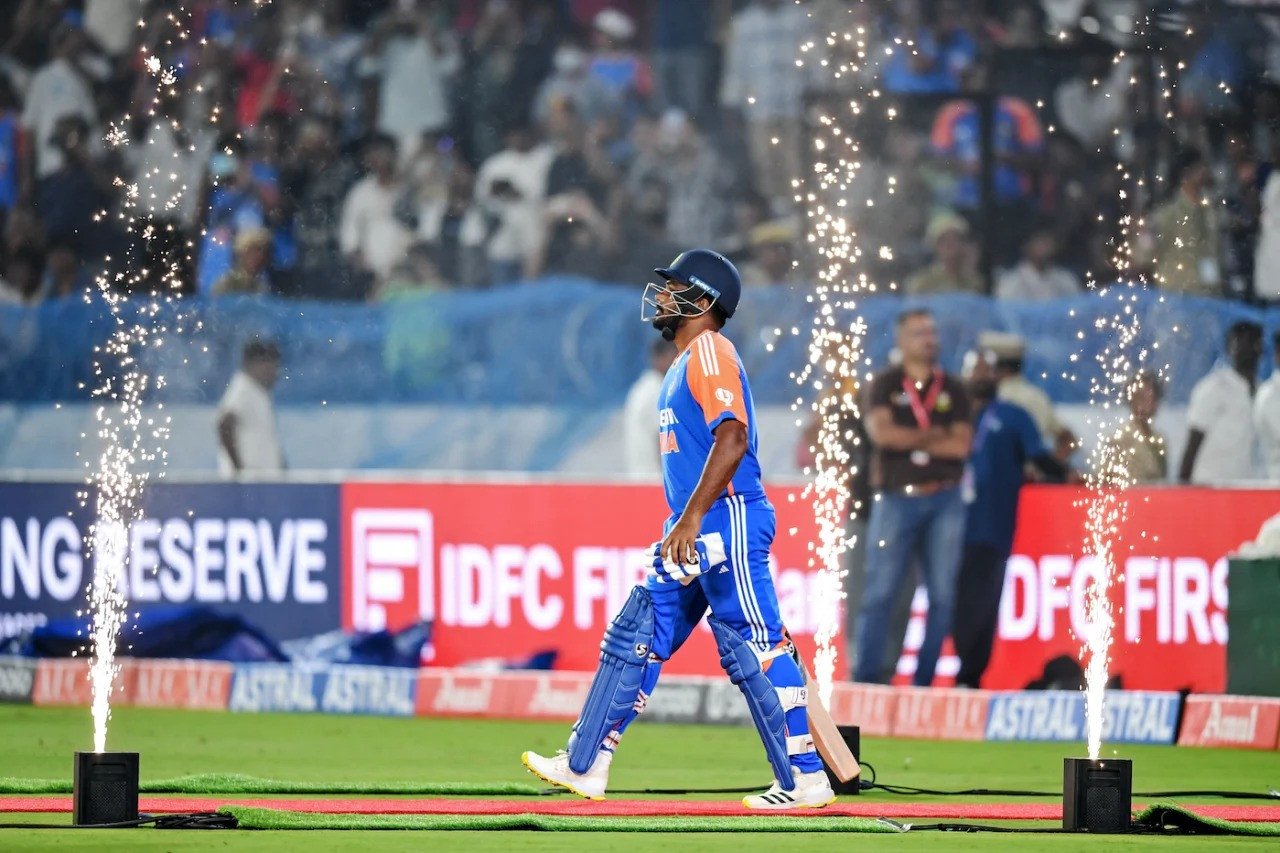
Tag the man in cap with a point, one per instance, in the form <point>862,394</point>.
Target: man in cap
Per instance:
<point>952,268</point>
<point>1006,352</point>
<point>249,275</point>
<point>772,259</point>
<point>1005,442</point>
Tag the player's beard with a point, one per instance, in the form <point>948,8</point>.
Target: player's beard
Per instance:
<point>668,324</point>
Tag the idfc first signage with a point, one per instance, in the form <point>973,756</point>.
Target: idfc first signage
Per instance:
<point>267,552</point>
<point>505,571</point>
<point>1168,597</point>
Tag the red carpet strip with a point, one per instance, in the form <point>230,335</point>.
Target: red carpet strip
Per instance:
<point>612,808</point>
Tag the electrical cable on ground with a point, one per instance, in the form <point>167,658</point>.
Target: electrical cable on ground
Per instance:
<point>908,790</point>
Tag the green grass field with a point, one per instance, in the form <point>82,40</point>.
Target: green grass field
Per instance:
<point>39,742</point>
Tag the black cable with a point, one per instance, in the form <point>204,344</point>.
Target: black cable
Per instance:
<point>982,827</point>
<point>198,820</point>
<point>908,790</point>
<point>1134,829</point>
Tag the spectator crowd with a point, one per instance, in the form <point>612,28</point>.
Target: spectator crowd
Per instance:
<point>360,149</point>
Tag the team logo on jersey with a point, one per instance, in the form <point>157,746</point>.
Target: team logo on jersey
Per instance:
<point>667,443</point>
<point>724,396</point>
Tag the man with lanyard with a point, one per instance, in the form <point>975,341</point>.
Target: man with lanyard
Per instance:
<point>714,554</point>
<point>1005,440</point>
<point>917,418</point>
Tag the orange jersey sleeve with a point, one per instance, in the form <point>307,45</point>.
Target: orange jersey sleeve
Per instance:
<point>715,380</point>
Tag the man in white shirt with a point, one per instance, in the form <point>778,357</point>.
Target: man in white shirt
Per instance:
<point>369,234</point>
<point>762,79</point>
<point>511,188</point>
<point>416,61</point>
<point>1220,414</point>
<point>1036,276</point>
<point>60,88</point>
<point>1266,417</point>
<point>640,413</point>
<point>1090,106</point>
<point>247,437</point>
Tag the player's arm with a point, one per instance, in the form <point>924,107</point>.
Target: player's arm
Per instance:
<point>1050,468</point>
<point>227,438</point>
<point>1201,410</point>
<point>727,450</point>
<point>951,442</point>
<point>955,440</point>
<point>1195,438</point>
<point>887,435</point>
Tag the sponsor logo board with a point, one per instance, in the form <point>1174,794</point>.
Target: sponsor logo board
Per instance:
<point>1244,722</point>
<point>940,714</point>
<point>369,690</point>
<point>1059,715</point>
<point>276,687</point>
<point>267,552</point>
<point>17,678</point>
<point>188,684</point>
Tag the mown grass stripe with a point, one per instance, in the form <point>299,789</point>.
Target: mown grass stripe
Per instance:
<point>255,818</point>
<point>236,783</point>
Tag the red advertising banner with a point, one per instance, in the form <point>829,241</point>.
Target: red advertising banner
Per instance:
<point>941,714</point>
<point>1169,597</point>
<point>1240,721</point>
<point>510,570</point>
<point>872,707</point>
<point>507,571</point>
<point>178,684</point>
<point>140,682</point>
<point>519,696</point>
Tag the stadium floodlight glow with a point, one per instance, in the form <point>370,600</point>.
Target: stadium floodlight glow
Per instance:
<point>104,788</point>
<point>1097,794</point>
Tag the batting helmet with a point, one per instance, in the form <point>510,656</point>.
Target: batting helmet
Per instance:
<point>710,272</point>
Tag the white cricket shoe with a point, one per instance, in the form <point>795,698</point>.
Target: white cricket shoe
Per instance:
<point>556,771</point>
<point>812,791</point>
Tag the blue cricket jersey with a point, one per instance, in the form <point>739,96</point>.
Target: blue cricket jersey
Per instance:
<point>704,387</point>
<point>1005,440</point>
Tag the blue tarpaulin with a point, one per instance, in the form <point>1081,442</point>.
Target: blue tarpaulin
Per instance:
<point>564,342</point>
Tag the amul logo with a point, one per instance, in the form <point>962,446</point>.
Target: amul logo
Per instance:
<point>392,568</point>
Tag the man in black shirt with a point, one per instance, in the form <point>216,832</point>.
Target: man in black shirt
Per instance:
<point>918,420</point>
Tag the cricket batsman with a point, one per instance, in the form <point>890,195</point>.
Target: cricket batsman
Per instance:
<point>714,554</point>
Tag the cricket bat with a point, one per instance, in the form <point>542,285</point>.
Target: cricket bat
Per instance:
<point>826,737</point>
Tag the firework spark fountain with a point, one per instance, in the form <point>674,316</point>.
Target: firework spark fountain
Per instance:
<point>131,438</point>
<point>835,336</point>
<point>1118,363</point>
